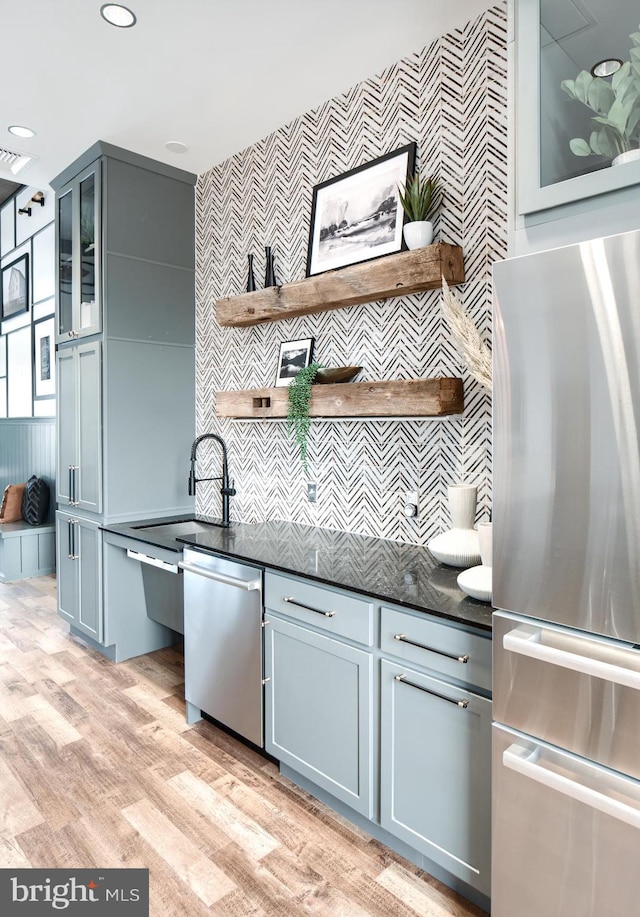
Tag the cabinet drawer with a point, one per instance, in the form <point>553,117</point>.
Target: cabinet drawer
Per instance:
<point>447,650</point>
<point>338,613</point>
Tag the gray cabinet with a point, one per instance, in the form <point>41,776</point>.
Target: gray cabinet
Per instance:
<point>319,698</point>
<point>79,439</point>
<point>319,710</point>
<point>79,573</point>
<point>387,710</point>
<point>554,42</point>
<point>126,408</point>
<point>435,777</point>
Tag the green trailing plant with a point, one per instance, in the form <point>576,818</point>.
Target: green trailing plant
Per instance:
<point>418,197</point>
<point>298,403</point>
<point>616,103</point>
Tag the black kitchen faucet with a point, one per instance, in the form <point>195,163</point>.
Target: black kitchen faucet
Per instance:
<point>226,489</point>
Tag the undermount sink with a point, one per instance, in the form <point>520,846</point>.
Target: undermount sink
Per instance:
<point>177,529</point>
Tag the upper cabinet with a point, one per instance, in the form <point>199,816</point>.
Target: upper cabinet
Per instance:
<point>573,129</point>
<point>78,248</point>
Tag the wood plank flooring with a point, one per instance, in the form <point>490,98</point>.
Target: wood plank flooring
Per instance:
<point>99,769</point>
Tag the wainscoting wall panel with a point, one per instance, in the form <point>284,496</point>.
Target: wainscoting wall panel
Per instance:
<point>451,98</point>
<point>27,446</point>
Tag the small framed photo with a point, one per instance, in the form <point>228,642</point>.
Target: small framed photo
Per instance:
<point>44,381</point>
<point>294,356</point>
<point>15,287</point>
<point>358,216</point>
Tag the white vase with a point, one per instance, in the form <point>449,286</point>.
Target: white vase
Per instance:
<point>478,581</point>
<point>418,234</point>
<point>485,539</point>
<point>459,547</point>
<point>629,156</point>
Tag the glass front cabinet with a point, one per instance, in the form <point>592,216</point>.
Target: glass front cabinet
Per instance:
<point>78,259</point>
<point>578,99</point>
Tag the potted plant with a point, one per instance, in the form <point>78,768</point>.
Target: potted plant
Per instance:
<point>616,103</point>
<point>298,403</point>
<point>418,199</point>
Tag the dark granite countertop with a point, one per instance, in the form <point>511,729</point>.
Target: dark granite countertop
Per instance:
<point>403,574</point>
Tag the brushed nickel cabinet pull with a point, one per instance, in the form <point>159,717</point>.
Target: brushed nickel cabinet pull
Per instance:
<point>404,639</point>
<point>463,704</point>
<point>318,611</point>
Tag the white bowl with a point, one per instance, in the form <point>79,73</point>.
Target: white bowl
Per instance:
<point>457,547</point>
<point>477,582</point>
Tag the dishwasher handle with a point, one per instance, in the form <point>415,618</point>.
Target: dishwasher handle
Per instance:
<point>247,585</point>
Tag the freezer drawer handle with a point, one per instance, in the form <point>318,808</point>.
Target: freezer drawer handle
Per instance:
<point>526,642</point>
<point>404,639</point>
<point>524,762</point>
<point>318,611</point>
<point>247,585</point>
<point>463,704</point>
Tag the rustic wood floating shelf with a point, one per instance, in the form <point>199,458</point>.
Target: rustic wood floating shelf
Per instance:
<point>394,275</point>
<point>398,398</point>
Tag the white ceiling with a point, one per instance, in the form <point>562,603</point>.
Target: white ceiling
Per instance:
<point>215,74</point>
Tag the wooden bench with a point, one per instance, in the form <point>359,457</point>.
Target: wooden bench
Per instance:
<point>26,550</point>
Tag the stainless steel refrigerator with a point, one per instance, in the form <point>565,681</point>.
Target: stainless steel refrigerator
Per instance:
<point>566,576</point>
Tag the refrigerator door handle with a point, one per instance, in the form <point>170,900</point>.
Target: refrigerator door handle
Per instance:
<point>526,641</point>
<point>526,762</point>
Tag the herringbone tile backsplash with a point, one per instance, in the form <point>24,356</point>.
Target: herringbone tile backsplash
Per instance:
<point>450,98</point>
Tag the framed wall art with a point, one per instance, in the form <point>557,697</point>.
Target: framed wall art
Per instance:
<point>294,356</point>
<point>44,383</point>
<point>357,216</point>
<point>15,287</point>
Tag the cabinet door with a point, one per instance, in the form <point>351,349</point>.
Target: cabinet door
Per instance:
<point>67,426</point>
<point>436,771</point>
<point>88,549</point>
<point>318,717</point>
<point>88,482</point>
<point>79,572</point>
<point>78,243</point>
<point>87,319</point>
<point>66,568</point>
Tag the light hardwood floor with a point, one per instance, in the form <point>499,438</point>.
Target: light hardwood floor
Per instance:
<point>99,769</point>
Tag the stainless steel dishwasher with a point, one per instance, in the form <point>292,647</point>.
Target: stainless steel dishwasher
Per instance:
<point>223,657</point>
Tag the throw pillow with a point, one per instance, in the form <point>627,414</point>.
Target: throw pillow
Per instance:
<point>11,509</point>
<point>35,500</point>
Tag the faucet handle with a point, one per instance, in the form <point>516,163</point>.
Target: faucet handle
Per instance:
<point>229,491</point>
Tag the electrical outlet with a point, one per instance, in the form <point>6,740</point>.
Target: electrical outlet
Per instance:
<point>312,491</point>
<point>410,504</point>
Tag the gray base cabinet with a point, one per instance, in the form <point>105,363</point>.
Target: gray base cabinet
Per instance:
<point>435,777</point>
<point>319,710</point>
<point>79,565</point>
<point>398,728</point>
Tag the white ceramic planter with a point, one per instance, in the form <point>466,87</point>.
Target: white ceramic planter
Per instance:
<point>629,156</point>
<point>418,234</point>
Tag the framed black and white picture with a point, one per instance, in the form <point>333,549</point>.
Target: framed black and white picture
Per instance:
<point>44,382</point>
<point>294,356</point>
<point>15,287</point>
<point>358,216</point>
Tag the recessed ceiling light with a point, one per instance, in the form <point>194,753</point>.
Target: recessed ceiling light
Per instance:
<point>176,146</point>
<point>606,67</point>
<point>118,15</point>
<point>21,131</point>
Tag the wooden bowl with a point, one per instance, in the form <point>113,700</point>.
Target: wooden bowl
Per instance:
<point>339,374</point>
